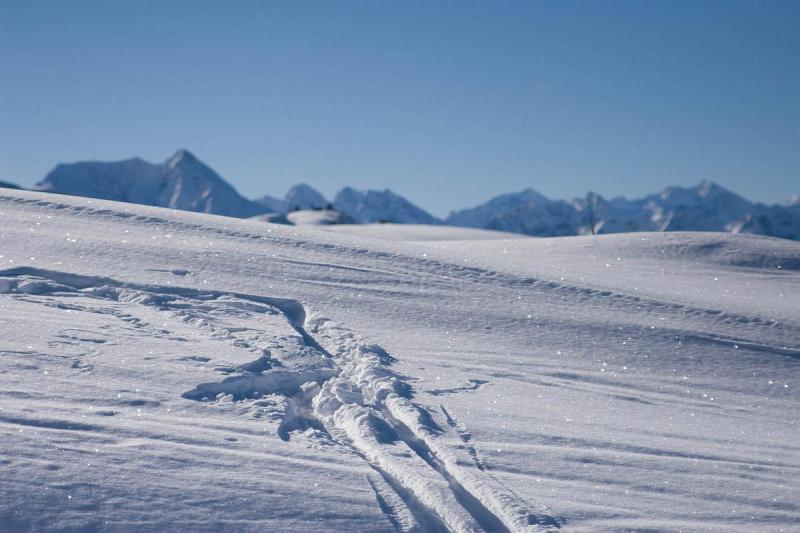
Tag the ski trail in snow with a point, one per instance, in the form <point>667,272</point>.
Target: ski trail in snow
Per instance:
<point>371,405</point>
<point>320,381</point>
<point>482,514</point>
<point>391,505</point>
<point>465,437</point>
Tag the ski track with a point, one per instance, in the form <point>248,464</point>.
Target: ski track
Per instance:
<point>323,384</point>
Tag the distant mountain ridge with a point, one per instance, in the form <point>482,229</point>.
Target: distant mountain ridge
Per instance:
<point>300,196</point>
<point>9,185</point>
<point>181,182</point>
<point>380,206</point>
<point>705,207</point>
<point>184,182</point>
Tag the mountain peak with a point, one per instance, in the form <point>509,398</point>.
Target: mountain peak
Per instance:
<point>302,187</point>
<point>380,206</point>
<point>707,188</point>
<point>303,196</point>
<point>182,182</point>
<point>182,156</point>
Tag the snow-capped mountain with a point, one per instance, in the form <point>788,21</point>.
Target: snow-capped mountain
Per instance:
<point>705,207</point>
<point>300,196</point>
<point>355,206</point>
<point>525,212</point>
<point>270,204</point>
<point>303,196</point>
<point>482,215</point>
<point>380,206</point>
<point>182,182</point>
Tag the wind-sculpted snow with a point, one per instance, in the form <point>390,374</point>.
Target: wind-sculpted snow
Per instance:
<point>323,383</point>
<point>164,370</point>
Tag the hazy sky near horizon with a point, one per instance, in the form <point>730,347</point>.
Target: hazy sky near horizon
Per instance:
<point>447,103</point>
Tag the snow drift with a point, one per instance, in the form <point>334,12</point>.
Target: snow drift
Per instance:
<point>169,370</point>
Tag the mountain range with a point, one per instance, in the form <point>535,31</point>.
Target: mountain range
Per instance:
<point>181,182</point>
<point>184,182</point>
<point>704,207</point>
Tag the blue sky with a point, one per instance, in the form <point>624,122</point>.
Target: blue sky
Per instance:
<point>447,103</point>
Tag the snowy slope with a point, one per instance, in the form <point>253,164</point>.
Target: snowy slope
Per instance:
<point>420,232</point>
<point>705,207</point>
<point>306,217</point>
<point>182,182</point>
<point>168,370</point>
<point>317,217</point>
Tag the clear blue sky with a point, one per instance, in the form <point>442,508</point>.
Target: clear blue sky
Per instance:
<point>448,103</point>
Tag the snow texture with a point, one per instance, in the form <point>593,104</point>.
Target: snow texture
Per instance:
<point>169,370</point>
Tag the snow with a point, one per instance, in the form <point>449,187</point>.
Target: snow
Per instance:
<point>316,217</point>
<point>420,232</point>
<point>169,370</point>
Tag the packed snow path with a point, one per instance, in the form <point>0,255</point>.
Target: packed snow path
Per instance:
<point>175,370</point>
